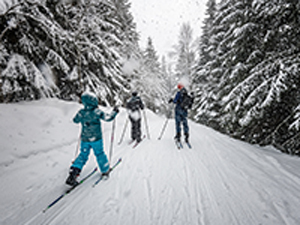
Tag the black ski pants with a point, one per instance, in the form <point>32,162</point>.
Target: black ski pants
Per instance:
<point>135,129</point>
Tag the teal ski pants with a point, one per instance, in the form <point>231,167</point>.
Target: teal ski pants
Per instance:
<point>85,148</point>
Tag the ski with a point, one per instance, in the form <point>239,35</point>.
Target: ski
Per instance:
<point>111,169</point>
<point>178,144</point>
<point>137,143</point>
<point>69,190</point>
<point>188,144</point>
<point>130,142</point>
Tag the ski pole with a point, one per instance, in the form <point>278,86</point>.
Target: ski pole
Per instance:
<point>147,129</point>
<point>165,124</point>
<point>113,135</point>
<point>112,139</point>
<point>77,148</point>
<point>123,133</point>
<point>163,130</point>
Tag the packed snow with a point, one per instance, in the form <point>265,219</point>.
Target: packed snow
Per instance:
<point>220,181</point>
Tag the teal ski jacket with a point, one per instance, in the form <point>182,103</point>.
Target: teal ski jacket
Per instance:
<point>90,118</point>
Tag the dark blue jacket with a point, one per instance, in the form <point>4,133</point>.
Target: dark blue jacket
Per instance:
<point>178,98</point>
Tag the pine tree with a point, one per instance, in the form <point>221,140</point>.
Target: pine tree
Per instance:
<point>80,42</point>
<point>252,77</point>
<point>128,35</point>
<point>96,47</point>
<point>167,87</point>
<point>207,52</point>
<point>185,54</point>
<point>24,34</point>
<point>150,80</point>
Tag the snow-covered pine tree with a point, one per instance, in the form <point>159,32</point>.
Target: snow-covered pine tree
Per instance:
<point>253,76</point>
<point>128,35</point>
<point>4,56</point>
<point>130,52</point>
<point>184,53</point>
<point>24,30</point>
<point>238,42</point>
<point>22,81</point>
<point>264,96</point>
<point>149,79</point>
<point>280,67</point>
<point>207,51</point>
<point>95,32</point>
<point>79,42</point>
<point>167,87</point>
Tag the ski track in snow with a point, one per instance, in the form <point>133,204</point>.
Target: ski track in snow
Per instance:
<point>219,181</point>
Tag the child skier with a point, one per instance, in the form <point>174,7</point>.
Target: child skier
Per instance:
<point>91,136</point>
<point>134,104</point>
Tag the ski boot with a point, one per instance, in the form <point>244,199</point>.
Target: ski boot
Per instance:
<point>178,141</point>
<point>187,140</point>
<point>177,137</point>
<point>105,175</point>
<point>186,137</point>
<point>74,173</point>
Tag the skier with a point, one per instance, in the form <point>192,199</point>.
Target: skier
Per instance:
<point>91,136</point>
<point>134,104</point>
<point>181,113</point>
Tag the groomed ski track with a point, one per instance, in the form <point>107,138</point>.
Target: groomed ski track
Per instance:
<point>220,181</point>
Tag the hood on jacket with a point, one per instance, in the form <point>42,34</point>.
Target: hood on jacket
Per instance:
<point>89,100</point>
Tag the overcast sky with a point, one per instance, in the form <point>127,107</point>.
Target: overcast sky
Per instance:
<point>162,19</point>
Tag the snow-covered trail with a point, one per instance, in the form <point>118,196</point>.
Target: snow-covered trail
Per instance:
<point>219,181</point>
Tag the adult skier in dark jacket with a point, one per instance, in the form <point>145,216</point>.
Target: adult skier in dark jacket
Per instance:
<point>91,136</point>
<point>180,114</point>
<point>134,104</point>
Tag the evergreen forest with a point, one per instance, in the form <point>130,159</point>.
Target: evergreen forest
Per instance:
<point>243,68</point>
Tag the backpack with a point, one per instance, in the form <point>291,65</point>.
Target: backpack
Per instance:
<point>186,101</point>
<point>135,104</point>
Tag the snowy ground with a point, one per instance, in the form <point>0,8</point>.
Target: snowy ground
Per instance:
<point>221,181</point>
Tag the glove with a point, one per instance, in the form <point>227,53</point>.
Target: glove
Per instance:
<point>170,101</point>
<point>116,109</point>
